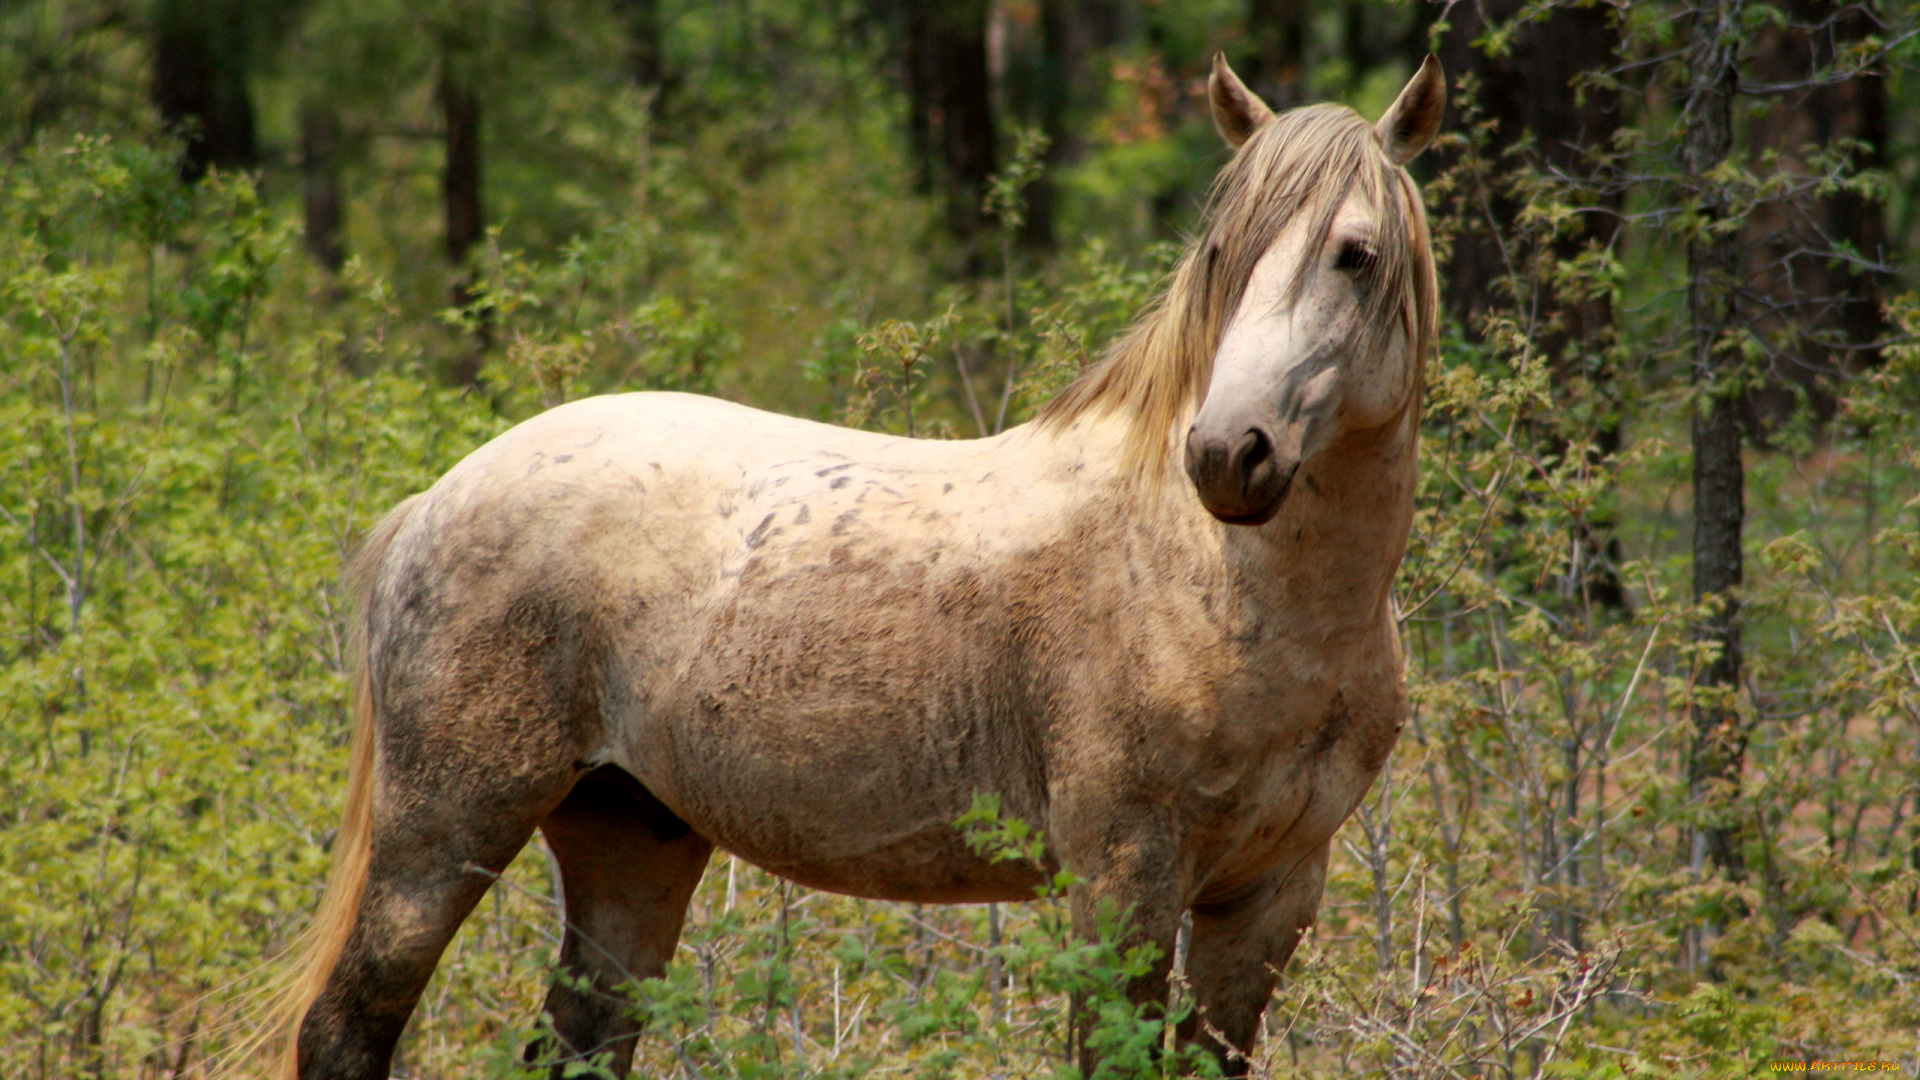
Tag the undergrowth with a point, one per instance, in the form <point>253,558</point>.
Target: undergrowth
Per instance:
<point>195,428</point>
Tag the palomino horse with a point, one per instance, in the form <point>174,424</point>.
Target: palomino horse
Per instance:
<point>652,624</point>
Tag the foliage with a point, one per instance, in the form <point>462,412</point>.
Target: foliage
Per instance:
<point>196,425</point>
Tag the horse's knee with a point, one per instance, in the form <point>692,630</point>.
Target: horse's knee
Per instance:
<point>1126,897</point>
<point>1231,974</point>
<point>1240,945</point>
<point>628,868</point>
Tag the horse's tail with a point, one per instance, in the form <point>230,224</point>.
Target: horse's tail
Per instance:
<point>313,956</point>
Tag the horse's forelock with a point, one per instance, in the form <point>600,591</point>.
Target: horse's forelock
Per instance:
<point>1306,159</point>
<point>1309,161</point>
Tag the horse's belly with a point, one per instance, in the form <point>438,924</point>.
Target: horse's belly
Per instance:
<point>926,867</point>
<point>848,784</point>
<point>847,805</point>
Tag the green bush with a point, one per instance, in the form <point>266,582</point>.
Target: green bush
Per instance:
<point>196,426</point>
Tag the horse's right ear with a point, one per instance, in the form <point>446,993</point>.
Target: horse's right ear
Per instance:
<point>1237,111</point>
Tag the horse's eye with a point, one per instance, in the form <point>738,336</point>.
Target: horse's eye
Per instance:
<point>1356,256</point>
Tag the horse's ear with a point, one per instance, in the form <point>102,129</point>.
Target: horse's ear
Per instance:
<point>1414,118</point>
<point>1237,111</point>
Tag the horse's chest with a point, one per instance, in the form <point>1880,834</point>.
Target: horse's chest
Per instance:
<point>1281,781</point>
<point>1359,724</point>
<point>1264,722</point>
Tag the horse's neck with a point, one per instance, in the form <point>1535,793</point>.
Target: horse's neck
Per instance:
<point>1324,566</point>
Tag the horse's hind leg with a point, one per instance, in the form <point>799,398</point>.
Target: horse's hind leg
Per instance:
<point>628,867</point>
<point>434,850</point>
<point>479,735</point>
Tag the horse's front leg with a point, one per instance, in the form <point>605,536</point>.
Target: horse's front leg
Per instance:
<point>1130,890</point>
<point>1241,943</point>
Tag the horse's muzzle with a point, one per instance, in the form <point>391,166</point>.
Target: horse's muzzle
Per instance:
<point>1241,481</point>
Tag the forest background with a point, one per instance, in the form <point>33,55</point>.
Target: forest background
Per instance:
<point>266,268</point>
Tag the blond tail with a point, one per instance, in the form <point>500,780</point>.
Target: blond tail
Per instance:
<point>313,956</point>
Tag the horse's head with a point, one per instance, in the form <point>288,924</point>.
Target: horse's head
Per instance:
<point>1319,229</point>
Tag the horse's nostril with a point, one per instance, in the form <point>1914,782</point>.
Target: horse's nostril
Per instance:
<point>1240,481</point>
<point>1255,450</point>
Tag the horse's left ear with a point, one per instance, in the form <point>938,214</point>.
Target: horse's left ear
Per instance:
<point>1414,118</point>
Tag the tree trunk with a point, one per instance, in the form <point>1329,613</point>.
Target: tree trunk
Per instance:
<point>1057,74</point>
<point>1827,311</point>
<point>1719,480</point>
<point>1071,31</point>
<point>952,102</point>
<point>644,55</point>
<point>200,61</point>
<point>320,178</point>
<point>1530,93</point>
<point>460,191</point>
<point>1276,69</point>
<point>917,77</point>
<point>460,177</point>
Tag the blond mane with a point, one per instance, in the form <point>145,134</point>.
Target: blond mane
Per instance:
<point>1306,159</point>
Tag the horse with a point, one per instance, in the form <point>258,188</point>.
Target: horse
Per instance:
<point>1156,621</point>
